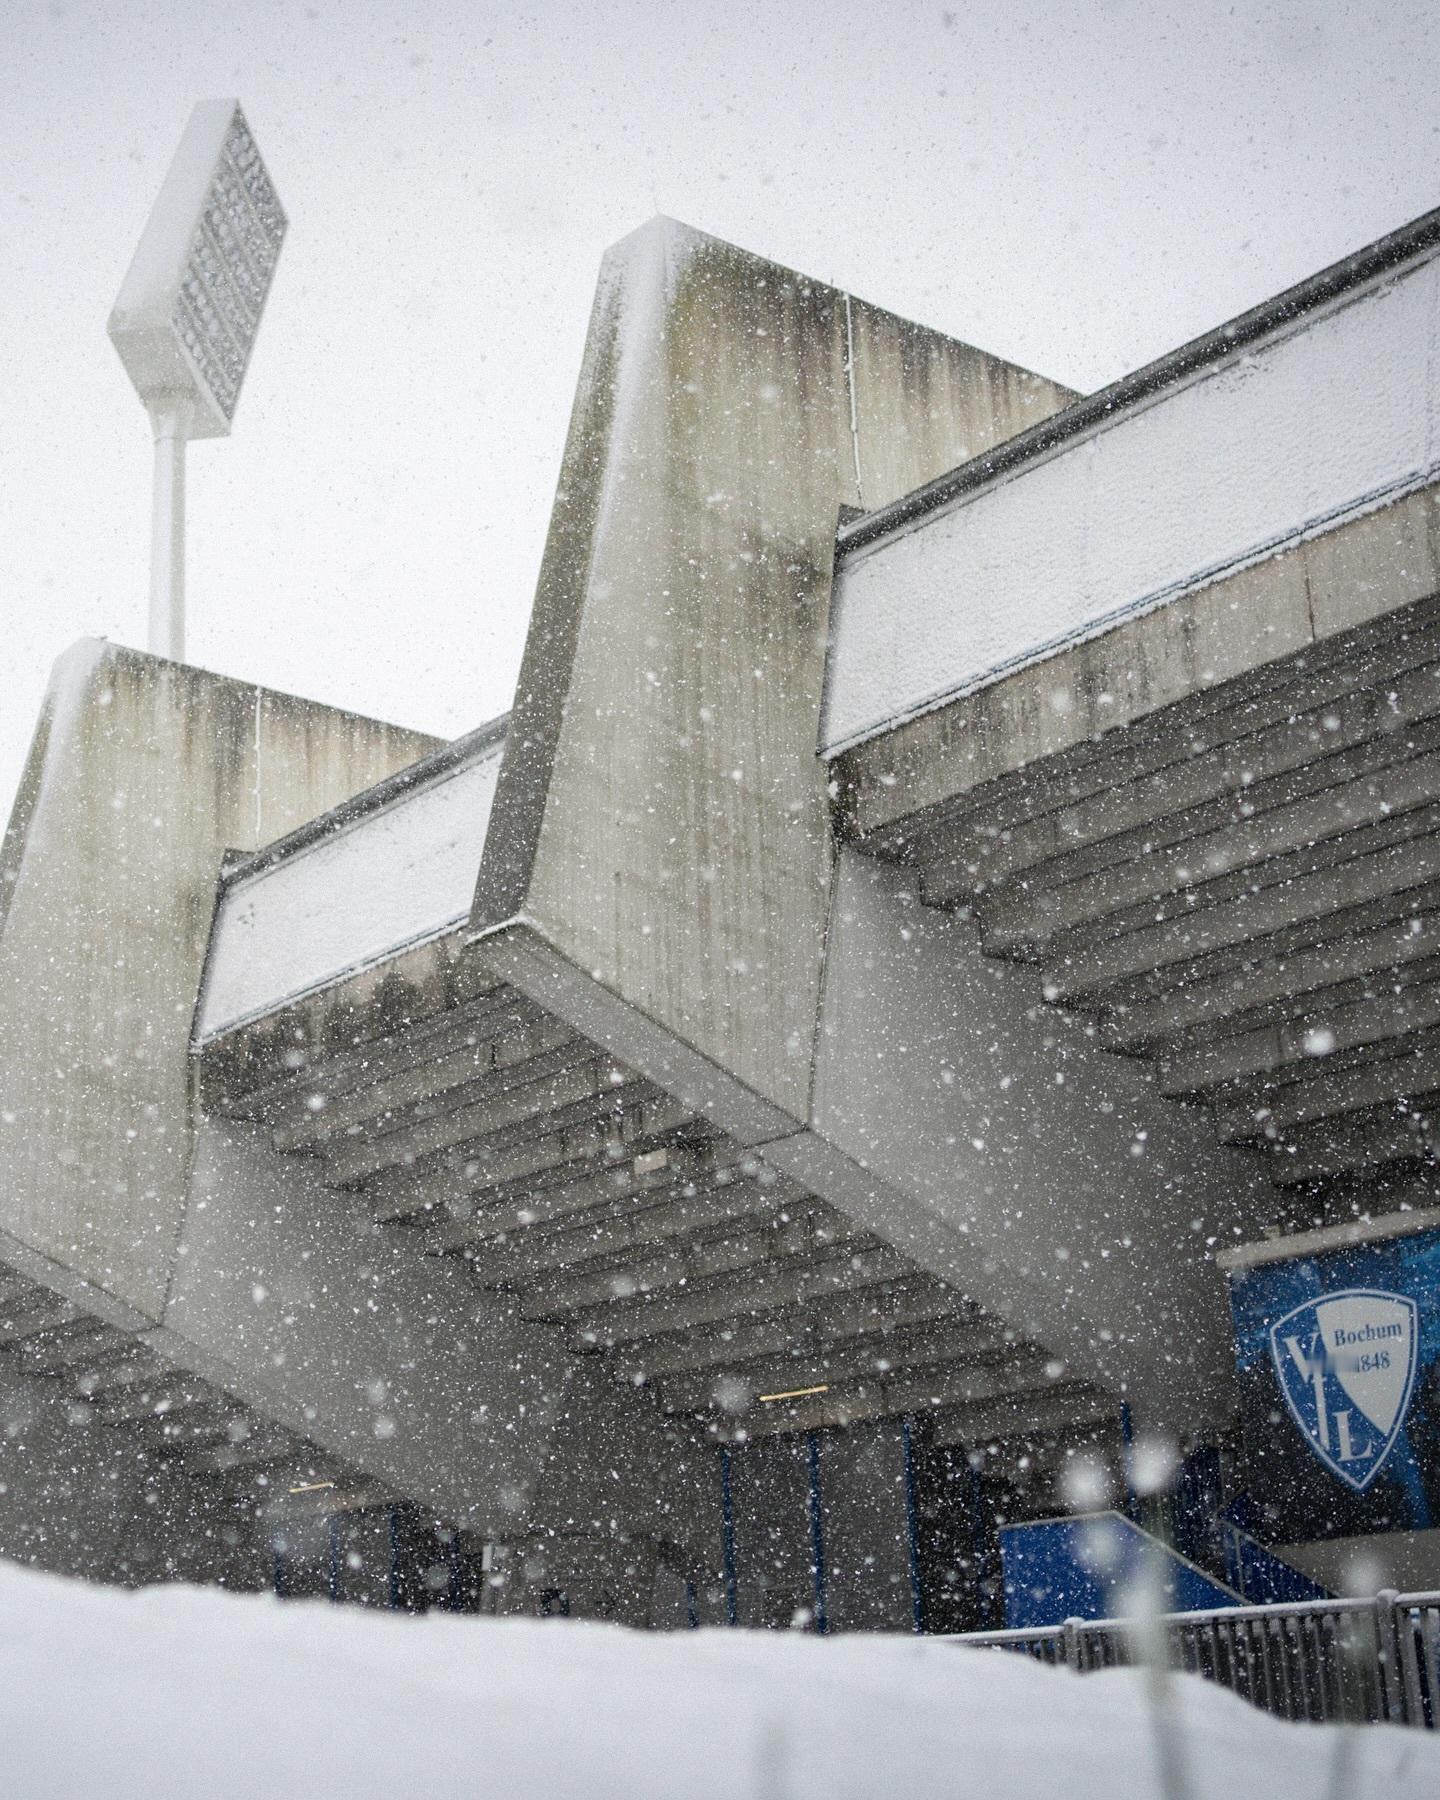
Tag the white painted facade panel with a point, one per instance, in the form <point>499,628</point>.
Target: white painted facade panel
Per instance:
<point>389,879</point>
<point>1322,421</point>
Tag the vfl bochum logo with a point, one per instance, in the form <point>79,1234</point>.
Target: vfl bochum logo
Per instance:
<point>1347,1367</point>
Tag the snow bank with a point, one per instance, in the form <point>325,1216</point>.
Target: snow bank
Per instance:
<point>188,1692</point>
<point>1317,424</point>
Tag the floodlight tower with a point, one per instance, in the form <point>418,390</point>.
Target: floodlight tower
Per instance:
<point>186,318</point>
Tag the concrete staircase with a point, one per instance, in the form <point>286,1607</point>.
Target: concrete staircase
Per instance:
<point>1241,890</point>
<point>487,1130</point>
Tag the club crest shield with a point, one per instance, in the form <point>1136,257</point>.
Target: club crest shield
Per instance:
<point>1346,1366</point>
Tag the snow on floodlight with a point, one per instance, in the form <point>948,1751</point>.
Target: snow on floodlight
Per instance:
<point>187,315</point>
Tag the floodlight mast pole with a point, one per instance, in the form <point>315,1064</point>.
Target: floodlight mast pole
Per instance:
<point>185,321</point>
<point>169,419</point>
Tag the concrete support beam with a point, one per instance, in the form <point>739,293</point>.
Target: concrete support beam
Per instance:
<point>701,663</point>
<point>188,1261</point>
<point>93,1167</point>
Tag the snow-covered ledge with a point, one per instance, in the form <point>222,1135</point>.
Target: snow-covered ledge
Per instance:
<point>1331,412</point>
<point>389,870</point>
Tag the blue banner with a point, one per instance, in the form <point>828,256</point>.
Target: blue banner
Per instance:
<point>1339,1364</point>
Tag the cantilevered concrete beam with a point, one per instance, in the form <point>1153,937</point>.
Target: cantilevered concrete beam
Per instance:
<point>727,410</point>
<point>659,869</point>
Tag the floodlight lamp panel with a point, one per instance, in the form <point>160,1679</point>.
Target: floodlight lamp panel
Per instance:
<point>189,308</point>
<point>228,272</point>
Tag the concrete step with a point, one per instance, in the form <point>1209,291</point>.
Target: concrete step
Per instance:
<point>1354,793</point>
<point>1401,695</point>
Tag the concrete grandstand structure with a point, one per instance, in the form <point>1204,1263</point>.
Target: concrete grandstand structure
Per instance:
<point>957,875</point>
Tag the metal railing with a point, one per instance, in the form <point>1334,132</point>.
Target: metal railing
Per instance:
<point>1357,1660</point>
<point>1260,1576</point>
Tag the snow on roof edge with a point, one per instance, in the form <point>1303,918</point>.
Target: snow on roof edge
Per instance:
<point>1376,262</point>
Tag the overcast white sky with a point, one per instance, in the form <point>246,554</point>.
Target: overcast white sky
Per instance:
<point>1078,187</point>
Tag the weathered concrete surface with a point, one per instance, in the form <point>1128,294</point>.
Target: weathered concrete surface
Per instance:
<point>194,1236</point>
<point>1212,831</point>
<point>411,846</point>
<point>1224,632</point>
<point>143,774</point>
<point>288,1295</point>
<point>659,869</point>
<point>992,1139</point>
<point>660,832</point>
<point>1176,477</point>
<point>75,1498</point>
<point>622,1494</point>
<point>1406,1560</point>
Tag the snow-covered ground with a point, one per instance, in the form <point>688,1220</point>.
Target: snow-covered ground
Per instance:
<point>191,1692</point>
